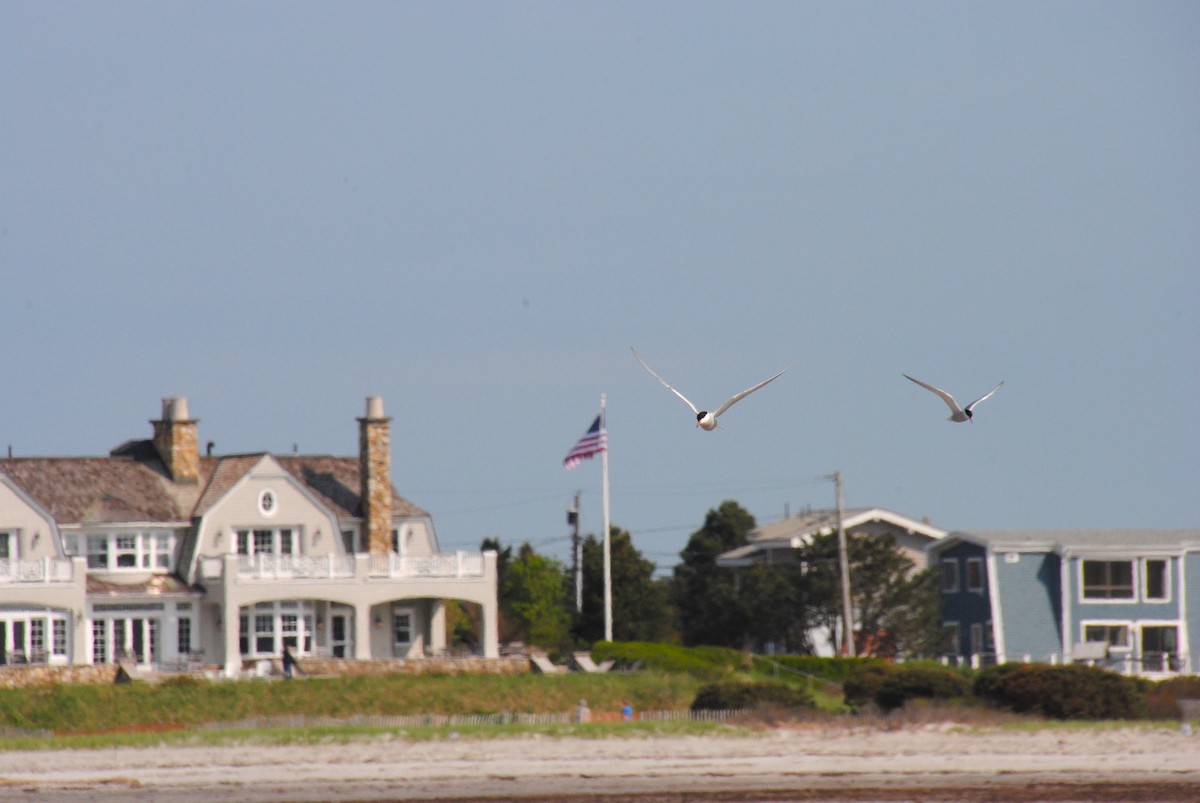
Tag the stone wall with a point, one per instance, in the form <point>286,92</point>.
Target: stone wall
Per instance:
<point>43,674</point>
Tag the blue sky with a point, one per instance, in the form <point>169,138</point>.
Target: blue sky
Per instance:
<point>475,209</point>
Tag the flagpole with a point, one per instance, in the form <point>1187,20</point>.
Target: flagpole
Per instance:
<point>607,552</point>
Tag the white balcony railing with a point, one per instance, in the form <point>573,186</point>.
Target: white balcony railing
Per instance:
<point>442,566</point>
<point>446,565</point>
<point>320,567</point>
<point>46,570</point>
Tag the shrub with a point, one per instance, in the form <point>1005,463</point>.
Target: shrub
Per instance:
<point>704,663</point>
<point>1075,691</point>
<point>834,669</point>
<point>730,695</point>
<point>1162,698</point>
<point>890,686</point>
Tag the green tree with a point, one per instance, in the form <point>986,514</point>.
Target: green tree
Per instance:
<point>707,604</point>
<point>535,592</point>
<point>895,608</point>
<point>773,603</point>
<point>639,602</point>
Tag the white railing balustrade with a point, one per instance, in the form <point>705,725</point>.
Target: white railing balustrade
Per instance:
<point>443,565</point>
<point>45,570</point>
<point>319,567</point>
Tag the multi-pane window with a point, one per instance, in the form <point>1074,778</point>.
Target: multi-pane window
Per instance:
<point>274,624</point>
<point>99,641</point>
<point>58,629</point>
<point>1156,589</point>
<point>37,639</point>
<point>1114,635</point>
<point>974,574</point>
<point>5,545</point>
<point>264,633</point>
<point>183,635</point>
<point>402,627</point>
<point>145,551</point>
<point>97,556</point>
<point>1108,579</point>
<point>266,542</point>
<point>949,576</point>
<point>126,551</point>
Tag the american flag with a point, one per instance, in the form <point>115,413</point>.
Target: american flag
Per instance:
<point>591,444</point>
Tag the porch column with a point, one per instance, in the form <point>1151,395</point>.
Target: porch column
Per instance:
<point>437,626</point>
<point>491,630</point>
<point>362,632</point>
<point>229,635</point>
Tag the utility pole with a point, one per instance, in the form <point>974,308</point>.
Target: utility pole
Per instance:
<point>576,553</point>
<point>844,563</point>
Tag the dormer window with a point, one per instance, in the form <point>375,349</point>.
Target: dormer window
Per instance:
<point>127,551</point>
<point>267,542</point>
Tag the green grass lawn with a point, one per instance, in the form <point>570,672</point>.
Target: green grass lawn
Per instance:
<point>92,708</point>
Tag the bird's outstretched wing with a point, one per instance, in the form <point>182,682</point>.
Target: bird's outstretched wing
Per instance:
<point>663,382</point>
<point>984,396</point>
<point>735,399</point>
<point>946,397</point>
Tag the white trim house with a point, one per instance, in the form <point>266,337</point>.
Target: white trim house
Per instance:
<point>162,556</point>
<point>1124,599</point>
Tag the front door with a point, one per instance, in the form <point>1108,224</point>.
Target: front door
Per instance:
<point>339,635</point>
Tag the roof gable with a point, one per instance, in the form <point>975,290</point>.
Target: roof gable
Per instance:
<point>796,530</point>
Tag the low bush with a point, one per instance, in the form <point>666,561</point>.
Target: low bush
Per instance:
<point>1076,691</point>
<point>728,695</point>
<point>890,686</point>
<point>1162,698</point>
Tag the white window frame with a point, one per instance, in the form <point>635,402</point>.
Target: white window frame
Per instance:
<point>268,502</point>
<point>280,620</point>
<point>1132,599</point>
<point>255,538</point>
<point>1124,625</point>
<point>10,540</point>
<point>950,587</point>
<point>149,550</point>
<point>976,562</point>
<point>1167,589</point>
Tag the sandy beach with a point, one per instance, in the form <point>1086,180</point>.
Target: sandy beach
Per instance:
<point>829,763</point>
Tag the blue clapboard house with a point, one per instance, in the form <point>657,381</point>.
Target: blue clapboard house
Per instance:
<point>1128,600</point>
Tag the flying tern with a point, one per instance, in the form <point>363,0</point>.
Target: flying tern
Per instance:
<point>956,413</point>
<point>704,419</point>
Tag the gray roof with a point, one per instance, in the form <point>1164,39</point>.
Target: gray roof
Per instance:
<point>133,486</point>
<point>1077,540</point>
<point>811,522</point>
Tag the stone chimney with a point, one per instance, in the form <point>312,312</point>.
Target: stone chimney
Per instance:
<point>375,471</point>
<point>175,439</point>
